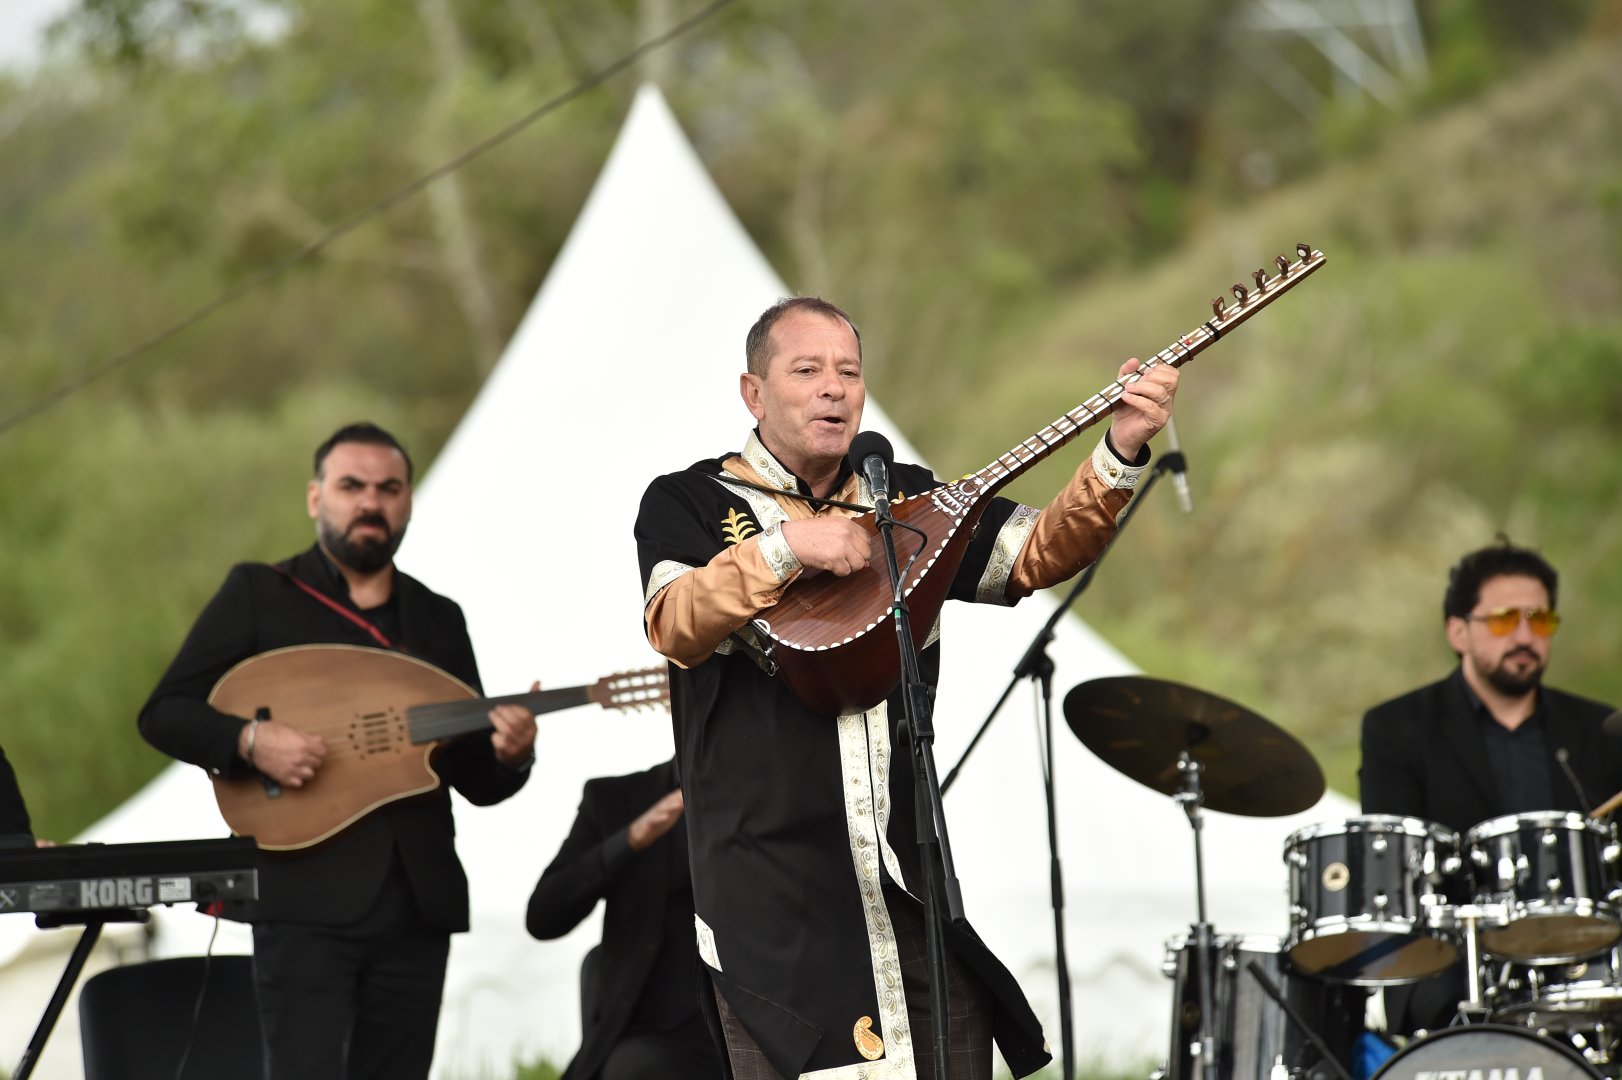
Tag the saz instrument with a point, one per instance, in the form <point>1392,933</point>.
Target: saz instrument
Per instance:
<point>382,714</point>
<point>828,637</point>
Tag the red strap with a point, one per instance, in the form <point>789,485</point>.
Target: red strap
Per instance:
<point>377,635</point>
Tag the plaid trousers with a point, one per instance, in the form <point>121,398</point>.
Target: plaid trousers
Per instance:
<point>968,1047</point>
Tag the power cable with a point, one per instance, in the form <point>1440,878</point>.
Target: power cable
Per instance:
<point>281,266</point>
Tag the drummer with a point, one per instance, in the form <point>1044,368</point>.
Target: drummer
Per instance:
<point>1489,739</point>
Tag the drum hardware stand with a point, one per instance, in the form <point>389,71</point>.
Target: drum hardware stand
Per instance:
<point>1038,665</point>
<point>943,898</point>
<point>1190,798</point>
<point>1473,1009</point>
<point>1272,991</point>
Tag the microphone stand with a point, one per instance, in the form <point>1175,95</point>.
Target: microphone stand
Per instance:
<point>1037,664</point>
<point>941,886</point>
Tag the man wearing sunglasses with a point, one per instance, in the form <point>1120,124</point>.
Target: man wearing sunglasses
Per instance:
<point>1488,740</point>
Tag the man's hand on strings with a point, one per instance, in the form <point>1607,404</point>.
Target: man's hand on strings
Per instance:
<point>282,752</point>
<point>514,736</point>
<point>1143,409</point>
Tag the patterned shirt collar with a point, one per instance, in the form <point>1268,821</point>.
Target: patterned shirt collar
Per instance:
<point>774,473</point>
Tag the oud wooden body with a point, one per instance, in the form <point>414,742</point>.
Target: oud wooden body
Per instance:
<point>356,698</point>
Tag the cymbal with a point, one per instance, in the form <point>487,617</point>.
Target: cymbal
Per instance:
<point>1139,726</point>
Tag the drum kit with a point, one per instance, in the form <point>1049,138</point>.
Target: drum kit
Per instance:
<point>1524,911</point>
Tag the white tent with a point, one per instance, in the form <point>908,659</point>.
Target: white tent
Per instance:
<point>625,366</point>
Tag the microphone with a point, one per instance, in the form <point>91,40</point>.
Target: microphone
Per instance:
<point>1177,465</point>
<point>871,456</point>
<point>1562,757</point>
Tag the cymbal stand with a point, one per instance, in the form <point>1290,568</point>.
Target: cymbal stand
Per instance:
<point>1191,798</point>
<point>1037,665</point>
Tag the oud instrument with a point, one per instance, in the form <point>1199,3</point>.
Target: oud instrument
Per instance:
<point>829,637</point>
<point>382,715</point>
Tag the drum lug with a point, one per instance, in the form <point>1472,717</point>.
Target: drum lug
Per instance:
<point>1479,857</point>
<point>1612,852</point>
<point>1550,839</point>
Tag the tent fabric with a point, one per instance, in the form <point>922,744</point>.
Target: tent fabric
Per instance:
<point>626,366</point>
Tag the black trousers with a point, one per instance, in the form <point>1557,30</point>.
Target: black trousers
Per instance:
<point>968,1037</point>
<point>663,1055</point>
<point>353,1002</point>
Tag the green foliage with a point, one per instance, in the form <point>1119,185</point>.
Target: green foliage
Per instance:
<point>1451,372</point>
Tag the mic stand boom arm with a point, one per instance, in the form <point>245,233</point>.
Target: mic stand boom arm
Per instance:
<point>1037,664</point>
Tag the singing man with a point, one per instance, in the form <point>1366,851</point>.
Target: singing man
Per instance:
<point>806,875</point>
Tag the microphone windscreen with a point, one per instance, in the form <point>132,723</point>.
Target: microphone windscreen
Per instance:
<point>866,444</point>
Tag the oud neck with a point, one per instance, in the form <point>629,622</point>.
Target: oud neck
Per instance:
<point>1010,466</point>
<point>448,719</point>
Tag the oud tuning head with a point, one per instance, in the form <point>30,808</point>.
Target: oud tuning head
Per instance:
<point>1260,278</point>
<point>1283,264</point>
<point>1240,293</point>
<point>1304,250</point>
<point>1216,306</point>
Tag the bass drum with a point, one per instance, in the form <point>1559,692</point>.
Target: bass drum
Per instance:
<point>1253,1036</point>
<point>1486,1050</point>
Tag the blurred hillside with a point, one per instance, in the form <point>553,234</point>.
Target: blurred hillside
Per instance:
<point>1009,202</point>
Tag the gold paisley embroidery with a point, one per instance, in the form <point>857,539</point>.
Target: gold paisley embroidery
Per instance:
<point>737,527</point>
<point>868,1044</point>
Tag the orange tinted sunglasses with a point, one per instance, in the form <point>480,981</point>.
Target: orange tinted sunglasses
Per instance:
<point>1503,621</point>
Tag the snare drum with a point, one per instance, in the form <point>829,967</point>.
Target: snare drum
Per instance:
<point>1253,1036</point>
<point>1555,874</point>
<point>1365,899</point>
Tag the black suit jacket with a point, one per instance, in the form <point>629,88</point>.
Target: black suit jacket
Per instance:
<point>335,882</point>
<point>1423,756</point>
<point>15,830</point>
<point>596,863</point>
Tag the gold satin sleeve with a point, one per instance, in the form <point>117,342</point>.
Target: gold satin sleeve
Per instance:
<point>689,617</point>
<point>1069,532</point>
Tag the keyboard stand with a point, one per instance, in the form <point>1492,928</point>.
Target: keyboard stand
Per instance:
<point>93,922</point>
